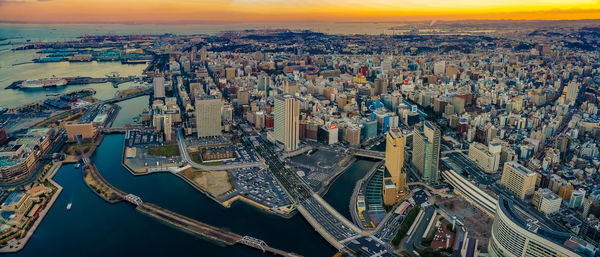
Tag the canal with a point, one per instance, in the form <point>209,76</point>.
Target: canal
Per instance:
<point>95,228</point>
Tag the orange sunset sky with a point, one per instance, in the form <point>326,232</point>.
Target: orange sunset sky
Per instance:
<point>291,10</point>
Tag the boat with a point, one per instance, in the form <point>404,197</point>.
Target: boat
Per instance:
<point>135,61</point>
<point>52,94</point>
<point>78,165</point>
<point>69,206</point>
<point>44,83</point>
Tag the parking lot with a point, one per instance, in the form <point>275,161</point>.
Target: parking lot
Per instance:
<point>207,141</point>
<point>257,185</point>
<point>318,166</point>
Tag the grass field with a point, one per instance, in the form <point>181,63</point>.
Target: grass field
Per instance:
<point>164,150</point>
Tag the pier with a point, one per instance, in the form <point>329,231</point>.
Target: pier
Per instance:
<point>176,220</point>
<point>81,81</point>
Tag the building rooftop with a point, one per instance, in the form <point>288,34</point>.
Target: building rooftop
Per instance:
<point>13,198</point>
<point>518,217</point>
<point>521,168</point>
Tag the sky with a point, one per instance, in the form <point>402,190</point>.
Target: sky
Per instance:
<point>292,10</point>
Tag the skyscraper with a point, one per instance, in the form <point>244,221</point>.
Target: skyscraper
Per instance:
<point>287,114</point>
<point>394,161</point>
<point>426,151</point>
<point>158,84</point>
<point>394,156</point>
<point>572,92</point>
<point>208,117</point>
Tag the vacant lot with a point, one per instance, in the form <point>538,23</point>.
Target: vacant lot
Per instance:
<point>164,150</point>
<point>214,182</point>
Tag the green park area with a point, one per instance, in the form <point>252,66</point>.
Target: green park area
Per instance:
<point>164,150</point>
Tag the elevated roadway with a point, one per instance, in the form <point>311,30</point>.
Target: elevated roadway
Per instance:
<point>368,153</point>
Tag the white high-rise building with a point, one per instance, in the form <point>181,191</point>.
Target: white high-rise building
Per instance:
<point>208,117</point>
<point>572,92</point>
<point>439,68</point>
<point>287,123</point>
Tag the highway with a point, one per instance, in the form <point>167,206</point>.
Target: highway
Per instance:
<point>471,168</point>
<point>332,226</point>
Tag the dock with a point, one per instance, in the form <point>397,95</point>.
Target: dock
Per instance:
<point>81,81</point>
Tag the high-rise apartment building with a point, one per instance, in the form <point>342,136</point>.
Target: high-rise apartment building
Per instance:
<point>208,117</point>
<point>572,92</point>
<point>518,179</point>
<point>287,115</point>
<point>426,151</point>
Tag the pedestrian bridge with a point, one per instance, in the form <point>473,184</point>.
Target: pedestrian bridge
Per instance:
<point>179,221</point>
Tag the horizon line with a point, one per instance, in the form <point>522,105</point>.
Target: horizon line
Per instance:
<point>216,22</point>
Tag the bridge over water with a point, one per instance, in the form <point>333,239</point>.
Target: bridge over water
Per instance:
<point>177,220</point>
<point>368,153</point>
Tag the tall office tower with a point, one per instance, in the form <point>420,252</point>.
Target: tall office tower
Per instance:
<point>158,83</point>
<point>203,54</point>
<point>572,92</point>
<point>287,124</point>
<point>290,87</point>
<point>264,83</point>
<point>426,151</point>
<point>380,86</point>
<point>515,233</point>
<point>167,127</point>
<point>518,179</point>
<point>193,53</point>
<point>393,176</point>
<point>208,117</point>
<point>439,68</point>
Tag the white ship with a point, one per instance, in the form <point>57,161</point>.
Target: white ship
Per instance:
<point>44,83</point>
<point>69,206</point>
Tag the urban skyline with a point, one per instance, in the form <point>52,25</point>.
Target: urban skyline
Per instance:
<point>313,128</point>
<point>275,11</point>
